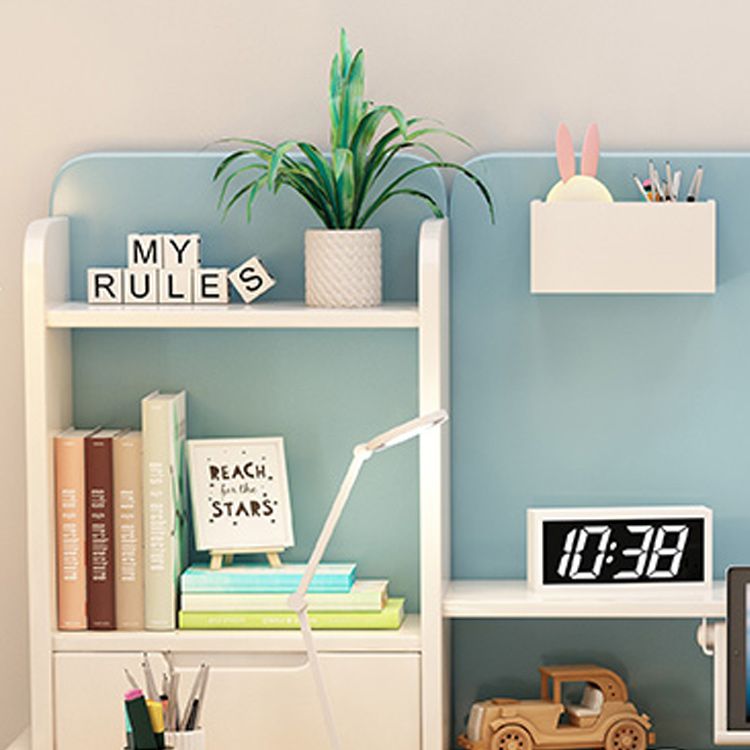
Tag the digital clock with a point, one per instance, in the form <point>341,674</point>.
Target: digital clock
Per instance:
<point>618,548</point>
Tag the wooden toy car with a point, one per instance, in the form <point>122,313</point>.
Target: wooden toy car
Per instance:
<point>604,717</point>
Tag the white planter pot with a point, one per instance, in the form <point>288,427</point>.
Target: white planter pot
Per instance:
<point>343,268</point>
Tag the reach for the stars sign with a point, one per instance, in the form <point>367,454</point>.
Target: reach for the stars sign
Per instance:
<point>240,494</point>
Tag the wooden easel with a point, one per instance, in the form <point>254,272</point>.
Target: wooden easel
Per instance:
<point>226,556</point>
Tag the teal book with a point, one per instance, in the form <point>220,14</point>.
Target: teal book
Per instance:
<point>330,578</point>
<point>389,618</point>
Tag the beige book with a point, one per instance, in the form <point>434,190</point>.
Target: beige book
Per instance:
<point>128,506</point>
<point>70,517</point>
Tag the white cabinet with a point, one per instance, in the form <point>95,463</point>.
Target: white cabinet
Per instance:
<point>255,699</point>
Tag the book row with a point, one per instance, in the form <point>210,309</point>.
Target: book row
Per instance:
<point>120,521</point>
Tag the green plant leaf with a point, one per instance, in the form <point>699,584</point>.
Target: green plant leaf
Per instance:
<point>228,181</point>
<point>276,160</point>
<point>437,212</point>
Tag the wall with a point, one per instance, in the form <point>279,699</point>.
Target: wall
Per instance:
<point>81,75</point>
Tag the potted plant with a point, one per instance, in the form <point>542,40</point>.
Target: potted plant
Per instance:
<point>344,187</point>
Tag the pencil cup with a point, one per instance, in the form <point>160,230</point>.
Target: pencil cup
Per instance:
<point>195,740</point>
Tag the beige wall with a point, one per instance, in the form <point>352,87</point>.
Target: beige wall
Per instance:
<point>79,75</point>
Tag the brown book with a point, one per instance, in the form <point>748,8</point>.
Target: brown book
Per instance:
<point>128,497</point>
<point>70,516</point>
<point>100,531</point>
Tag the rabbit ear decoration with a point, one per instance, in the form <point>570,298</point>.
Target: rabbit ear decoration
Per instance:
<point>566,160</point>
<point>590,153</point>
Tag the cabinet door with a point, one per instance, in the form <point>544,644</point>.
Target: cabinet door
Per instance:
<point>253,700</point>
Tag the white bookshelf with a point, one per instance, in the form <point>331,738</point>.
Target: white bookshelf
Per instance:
<point>406,639</point>
<point>73,673</point>
<point>257,315</point>
<point>514,599</point>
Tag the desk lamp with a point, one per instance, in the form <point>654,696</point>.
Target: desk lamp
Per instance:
<point>297,600</point>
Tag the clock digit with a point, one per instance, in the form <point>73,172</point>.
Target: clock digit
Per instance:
<point>675,553</point>
<point>576,573</point>
<point>640,552</point>
<point>562,567</point>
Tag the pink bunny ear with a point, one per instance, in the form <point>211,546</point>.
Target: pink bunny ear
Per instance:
<point>590,153</point>
<point>566,160</point>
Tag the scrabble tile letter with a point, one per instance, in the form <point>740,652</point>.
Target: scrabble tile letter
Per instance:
<point>141,286</point>
<point>210,285</point>
<point>182,251</point>
<point>105,286</point>
<point>251,279</point>
<point>176,286</point>
<point>145,250</point>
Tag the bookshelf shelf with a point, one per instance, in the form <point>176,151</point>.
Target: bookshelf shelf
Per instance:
<point>258,315</point>
<point>407,638</point>
<point>512,598</point>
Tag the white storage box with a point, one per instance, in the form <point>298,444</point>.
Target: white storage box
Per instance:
<point>623,248</point>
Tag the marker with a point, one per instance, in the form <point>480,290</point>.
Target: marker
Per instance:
<point>157,722</point>
<point>130,740</point>
<point>143,733</point>
<point>640,187</point>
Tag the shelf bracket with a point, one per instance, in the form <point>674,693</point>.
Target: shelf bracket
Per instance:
<point>706,637</point>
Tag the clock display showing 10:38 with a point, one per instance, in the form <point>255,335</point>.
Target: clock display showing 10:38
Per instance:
<point>668,550</point>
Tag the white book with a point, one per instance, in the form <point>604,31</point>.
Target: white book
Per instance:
<point>165,527</point>
<point>364,596</point>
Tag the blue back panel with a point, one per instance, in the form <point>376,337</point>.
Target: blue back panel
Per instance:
<point>593,400</point>
<point>323,391</point>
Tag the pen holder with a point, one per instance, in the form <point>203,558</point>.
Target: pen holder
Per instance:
<point>195,740</point>
<point>623,248</point>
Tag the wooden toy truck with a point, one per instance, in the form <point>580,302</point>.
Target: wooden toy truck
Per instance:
<point>604,718</point>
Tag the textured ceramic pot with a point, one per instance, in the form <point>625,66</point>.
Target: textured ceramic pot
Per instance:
<point>343,268</point>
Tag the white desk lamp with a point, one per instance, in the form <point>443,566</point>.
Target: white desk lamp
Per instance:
<point>297,601</point>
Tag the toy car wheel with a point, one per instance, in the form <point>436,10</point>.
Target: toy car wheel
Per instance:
<point>512,738</point>
<point>626,735</point>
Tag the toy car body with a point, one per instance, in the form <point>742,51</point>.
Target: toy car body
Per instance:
<point>604,718</point>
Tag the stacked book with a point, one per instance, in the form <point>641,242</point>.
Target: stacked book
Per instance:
<point>255,597</point>
<point>121,530</point>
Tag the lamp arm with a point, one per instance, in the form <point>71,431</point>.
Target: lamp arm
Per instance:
<point>361,454</point>
<point>297,600</point>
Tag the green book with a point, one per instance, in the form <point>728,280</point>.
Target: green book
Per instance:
<point>364,596</point>
<point>389,618</point>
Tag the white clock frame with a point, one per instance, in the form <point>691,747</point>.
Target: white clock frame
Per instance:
<point>535,518</point>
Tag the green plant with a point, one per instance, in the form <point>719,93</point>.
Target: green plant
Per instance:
<point>342,188</point>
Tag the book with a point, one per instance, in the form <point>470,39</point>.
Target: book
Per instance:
<point>364,596</point>
<point>263,579</point>
<point>100,557</point>
<point>127,480</point>
<point>389,618</point>
<point>165,528</point>
<point>70,518</point>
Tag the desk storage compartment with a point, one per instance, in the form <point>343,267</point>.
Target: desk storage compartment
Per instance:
<point>254,700</point>
<point>623,248</point>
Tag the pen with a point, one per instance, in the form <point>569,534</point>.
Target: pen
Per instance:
<point>695,185</point>
<point>192,722</point>
<point>676,185</point>
<point>131,680</point>
<point>191,698</point>
<point>668,170</point>
<point>201,698</point>
<point>640,187</point>
<point>149,675</point>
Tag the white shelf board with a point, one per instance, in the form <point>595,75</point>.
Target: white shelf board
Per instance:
<point>512,598</point>
<point>257,315</point>
<point>407,638</point>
